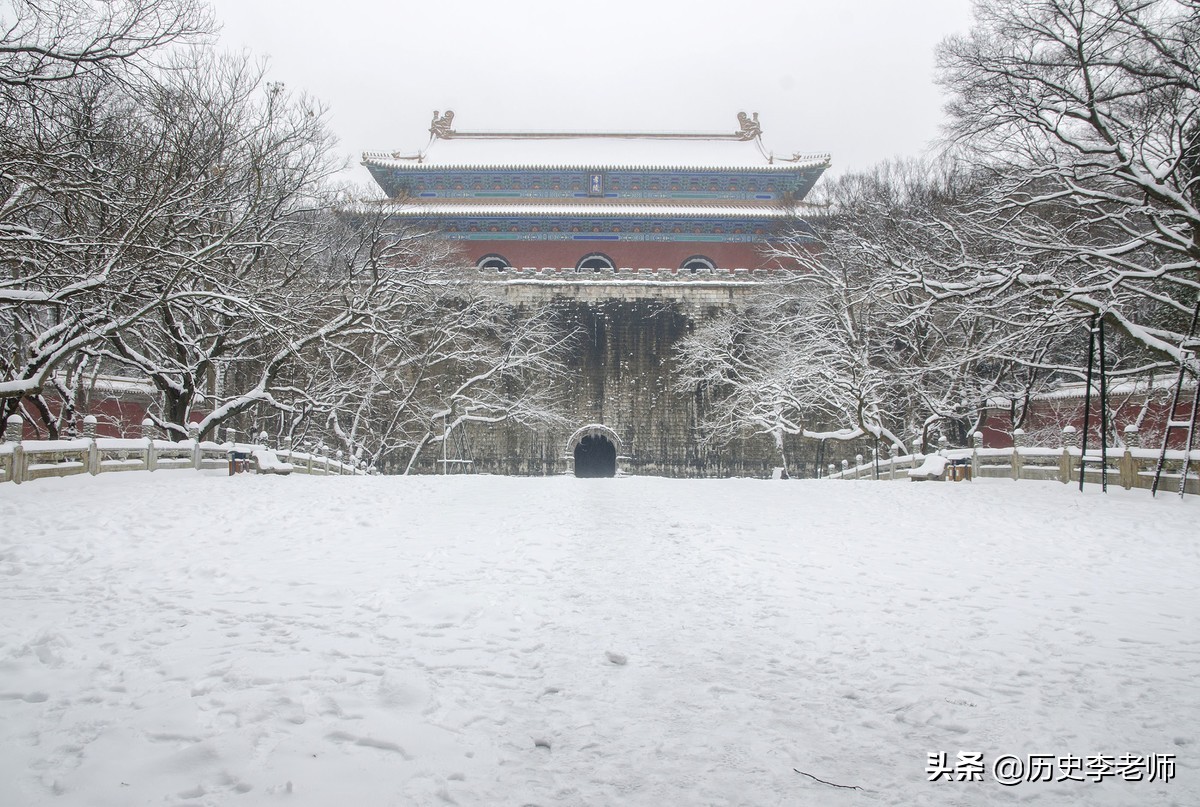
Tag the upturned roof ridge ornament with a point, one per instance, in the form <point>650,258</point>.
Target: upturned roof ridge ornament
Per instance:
<point>442,124</point>
<point>750,127</point>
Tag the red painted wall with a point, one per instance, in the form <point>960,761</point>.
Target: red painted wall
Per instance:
<point>116,415</point>
<point>625,254</point>
<point>1046,418</point>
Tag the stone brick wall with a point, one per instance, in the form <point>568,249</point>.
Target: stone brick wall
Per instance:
<point>624,375</point>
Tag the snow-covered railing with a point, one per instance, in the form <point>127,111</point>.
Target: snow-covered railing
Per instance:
<point>306,463</point>
<point>25,460</point>
<point>1128,466</point>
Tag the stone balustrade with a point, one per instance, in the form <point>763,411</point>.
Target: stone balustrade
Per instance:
<point>26,460</point>
<point>1128,466</point>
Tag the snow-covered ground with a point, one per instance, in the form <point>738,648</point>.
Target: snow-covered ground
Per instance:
<point>185,638</point>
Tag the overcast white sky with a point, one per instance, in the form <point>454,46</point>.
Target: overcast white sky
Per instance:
<point>852,78</point>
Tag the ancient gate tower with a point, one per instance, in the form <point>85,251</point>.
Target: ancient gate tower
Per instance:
<point>634,238</point>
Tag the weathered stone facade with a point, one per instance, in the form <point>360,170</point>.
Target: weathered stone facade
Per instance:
<point>623,378</point>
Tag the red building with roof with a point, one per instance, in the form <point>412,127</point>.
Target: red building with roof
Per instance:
<point>662,201</point>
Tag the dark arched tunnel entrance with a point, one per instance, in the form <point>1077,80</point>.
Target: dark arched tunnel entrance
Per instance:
<point>595,456</point>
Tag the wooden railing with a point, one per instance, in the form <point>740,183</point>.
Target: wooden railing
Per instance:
<point>1128,466</point>
<point>26,460</point>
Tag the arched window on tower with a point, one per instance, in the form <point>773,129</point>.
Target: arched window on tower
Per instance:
<point>493,261</point>
<point>595,262</point>
<point>698,262</point>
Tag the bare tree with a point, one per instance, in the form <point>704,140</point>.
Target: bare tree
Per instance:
<point>237,169</point>
<point>51,41</point>
<point>1073,195</point>
<point>1087,115</point>
<point>68,71</point>
<point>847,348</point>
<point>802,358</point>
<point>442,352</point>
<point>172,218</point>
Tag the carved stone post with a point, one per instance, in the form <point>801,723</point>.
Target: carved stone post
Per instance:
<point>1127,466</point>
<point>845,467</point>
<point>1070,437</point>
<point>832,469</point>
<point>12,434</point>
<point>18,464</point>
<point>13,428</point>
<point>1070,441</point>
<point>147,434</point>
<point>193,430</point>
<point>89,434</point>
<point>1018,438</point>
<point>1133,437</point>
<point>858,461</point>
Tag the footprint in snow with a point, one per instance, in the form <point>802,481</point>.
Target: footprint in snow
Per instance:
<point>616,658</point>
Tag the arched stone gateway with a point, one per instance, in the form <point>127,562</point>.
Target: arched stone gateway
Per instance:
<point>594,451</point>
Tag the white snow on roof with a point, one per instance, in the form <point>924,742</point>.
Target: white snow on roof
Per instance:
<point>600,209</point>
<point>112,383</point>
<point>595,151</point>
<point>1078,390</point>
